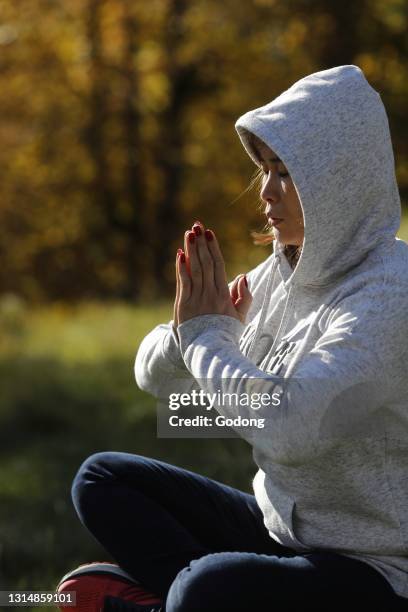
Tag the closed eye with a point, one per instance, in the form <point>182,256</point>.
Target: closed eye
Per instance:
<point>281,174</point>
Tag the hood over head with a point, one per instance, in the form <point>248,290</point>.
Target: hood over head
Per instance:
<point>331,131</point>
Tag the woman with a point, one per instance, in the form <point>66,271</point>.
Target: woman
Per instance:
<point>323,321</point>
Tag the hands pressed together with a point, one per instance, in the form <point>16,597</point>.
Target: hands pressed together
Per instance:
<point>202,286</point>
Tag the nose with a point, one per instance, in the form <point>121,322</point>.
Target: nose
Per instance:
<point>270,192</point>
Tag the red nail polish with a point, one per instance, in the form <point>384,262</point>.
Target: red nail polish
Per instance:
<point>197,230</point>
<point>179,251</point>
<point>208,234</point>
<point>183,258</point>
<point>191,237</point>
<point>246,282</point>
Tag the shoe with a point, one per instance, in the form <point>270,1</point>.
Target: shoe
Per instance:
<point>94,583</point>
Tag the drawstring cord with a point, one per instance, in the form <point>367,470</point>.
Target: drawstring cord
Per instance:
<point>276,340</point>
<point>265,303</point>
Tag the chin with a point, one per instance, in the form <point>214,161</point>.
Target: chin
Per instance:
<point>283,237</point>
<point>286,238</point>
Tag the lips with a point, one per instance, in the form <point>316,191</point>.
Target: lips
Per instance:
<point>274,221</point>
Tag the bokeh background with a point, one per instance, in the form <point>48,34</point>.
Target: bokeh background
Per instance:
<point>116,133</point>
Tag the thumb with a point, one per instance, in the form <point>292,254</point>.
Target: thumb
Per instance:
<point>244,300</point>
<point>234,290</point>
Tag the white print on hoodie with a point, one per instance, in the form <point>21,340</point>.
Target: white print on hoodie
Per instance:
<point>333,456</point>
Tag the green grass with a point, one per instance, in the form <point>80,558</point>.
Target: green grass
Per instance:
<point>86,333</point>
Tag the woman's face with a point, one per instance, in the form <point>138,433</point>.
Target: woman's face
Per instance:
<point>280,196</point>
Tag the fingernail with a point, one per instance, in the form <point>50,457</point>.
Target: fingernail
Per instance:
<point>199,222</point>
<point>179,251</point>
<point>197,230</point>
<point>183,258</point>
<point>246,282</point>
<point>191,237</point>
<point>208,234</point>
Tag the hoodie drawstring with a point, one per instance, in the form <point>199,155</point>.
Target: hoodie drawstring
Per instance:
<point>265,303</point>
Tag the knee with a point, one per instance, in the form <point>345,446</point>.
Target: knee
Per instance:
<point>98,471</point>
<point>91,471</point>
<point>198,586</point>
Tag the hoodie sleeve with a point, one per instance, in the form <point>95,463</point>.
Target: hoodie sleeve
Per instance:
<point>334,391</point>
<point>159,360</point>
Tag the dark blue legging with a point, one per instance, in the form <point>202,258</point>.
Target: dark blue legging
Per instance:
<point>202,545</point>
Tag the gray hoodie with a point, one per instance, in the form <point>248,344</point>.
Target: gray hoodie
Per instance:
<point>330,336</point>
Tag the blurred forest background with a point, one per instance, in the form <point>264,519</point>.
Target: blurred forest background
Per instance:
<point>117,132</point>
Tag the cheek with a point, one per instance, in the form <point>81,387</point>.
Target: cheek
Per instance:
<point>292,202</point>
<point>298,208</point>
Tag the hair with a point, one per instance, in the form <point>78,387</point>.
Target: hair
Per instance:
<point>265,237</point>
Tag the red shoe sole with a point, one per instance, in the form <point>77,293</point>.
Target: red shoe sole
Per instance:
<point>91,591</point>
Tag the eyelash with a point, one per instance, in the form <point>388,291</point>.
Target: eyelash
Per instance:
<point>281,174</point>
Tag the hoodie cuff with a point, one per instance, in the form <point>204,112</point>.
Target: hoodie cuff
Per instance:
<point>220,327</point>
<point>171,347</point>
